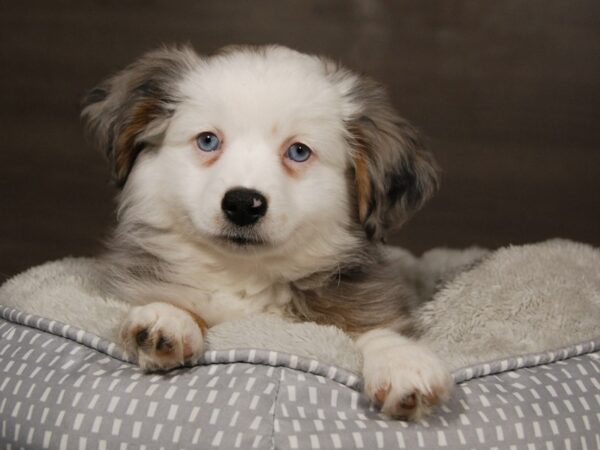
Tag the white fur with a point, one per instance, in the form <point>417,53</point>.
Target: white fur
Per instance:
<point>163,321</point>
<point>406,378</point>
<point>257,103</point>
<point>307,220</point>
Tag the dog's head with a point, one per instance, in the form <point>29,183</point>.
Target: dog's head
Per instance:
<point>258,148</point>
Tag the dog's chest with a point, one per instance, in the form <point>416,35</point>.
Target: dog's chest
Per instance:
<point>223,306</point>
<point>228,297</point>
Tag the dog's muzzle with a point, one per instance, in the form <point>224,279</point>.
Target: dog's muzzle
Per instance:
<point>243,206</point>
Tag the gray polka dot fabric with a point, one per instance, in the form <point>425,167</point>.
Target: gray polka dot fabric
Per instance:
<point>62,388</point>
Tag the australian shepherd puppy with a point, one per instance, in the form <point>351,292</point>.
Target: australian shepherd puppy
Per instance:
<point>263,180</point>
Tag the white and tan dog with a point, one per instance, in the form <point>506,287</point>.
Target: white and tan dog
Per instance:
<point>263,180</point>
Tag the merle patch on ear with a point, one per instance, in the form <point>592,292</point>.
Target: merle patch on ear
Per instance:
<point>394,174</point>
<point>128,112</point>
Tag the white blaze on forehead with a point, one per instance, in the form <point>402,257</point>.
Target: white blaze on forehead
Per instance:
<point>279,94</point>
<point>258,104</point>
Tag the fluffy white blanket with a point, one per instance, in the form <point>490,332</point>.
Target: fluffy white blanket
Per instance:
<point>478,305</point>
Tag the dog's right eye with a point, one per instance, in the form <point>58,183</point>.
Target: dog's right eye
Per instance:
<point>208,142</point>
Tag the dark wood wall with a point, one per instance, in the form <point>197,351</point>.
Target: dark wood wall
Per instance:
<point>508,93</point>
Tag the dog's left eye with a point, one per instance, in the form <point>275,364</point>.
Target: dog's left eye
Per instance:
<point>298,152</point>
<point>208,142</point>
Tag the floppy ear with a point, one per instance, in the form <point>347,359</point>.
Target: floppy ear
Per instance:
<point>129,111</point>
<point>394,174</point>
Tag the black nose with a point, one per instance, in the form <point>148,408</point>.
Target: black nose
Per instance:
<point>244,206</point>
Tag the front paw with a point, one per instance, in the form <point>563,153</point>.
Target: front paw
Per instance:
<point>161,336</point>
<point>403,378</point>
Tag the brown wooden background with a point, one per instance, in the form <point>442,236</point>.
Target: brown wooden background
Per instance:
<point>507,91</point>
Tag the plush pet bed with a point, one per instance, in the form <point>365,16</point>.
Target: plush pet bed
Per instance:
<point>519,327</point>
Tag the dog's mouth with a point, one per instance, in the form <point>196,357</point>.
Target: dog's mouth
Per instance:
<point>247,239</point>
<point>243,241</point>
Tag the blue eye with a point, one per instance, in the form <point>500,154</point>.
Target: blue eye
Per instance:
<point>298,152</point>
<point>208,142</point>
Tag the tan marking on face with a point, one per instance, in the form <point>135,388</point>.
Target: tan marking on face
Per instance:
<point>207,162</point>
<point>361,174</point>
<point>289,170</point>
<point>363,184</point>
<point>125,152</point>
<point>274,129</point>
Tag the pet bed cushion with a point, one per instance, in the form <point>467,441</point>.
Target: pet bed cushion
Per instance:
<point>62,387</point>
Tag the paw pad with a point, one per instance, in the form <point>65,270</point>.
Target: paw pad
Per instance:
<point>408,402</point>
<point>381,395</point>
<point>141,337</point>
<point>161,336</point>
<point>163,344</point>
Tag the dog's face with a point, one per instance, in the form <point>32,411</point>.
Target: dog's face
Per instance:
<point>266,150</point>
<point>255,153</point>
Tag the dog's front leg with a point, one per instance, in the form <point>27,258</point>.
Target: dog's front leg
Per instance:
<point>162,336</point>
<point>401,376</point>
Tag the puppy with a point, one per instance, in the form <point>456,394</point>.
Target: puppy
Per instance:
<point>263,180</point>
